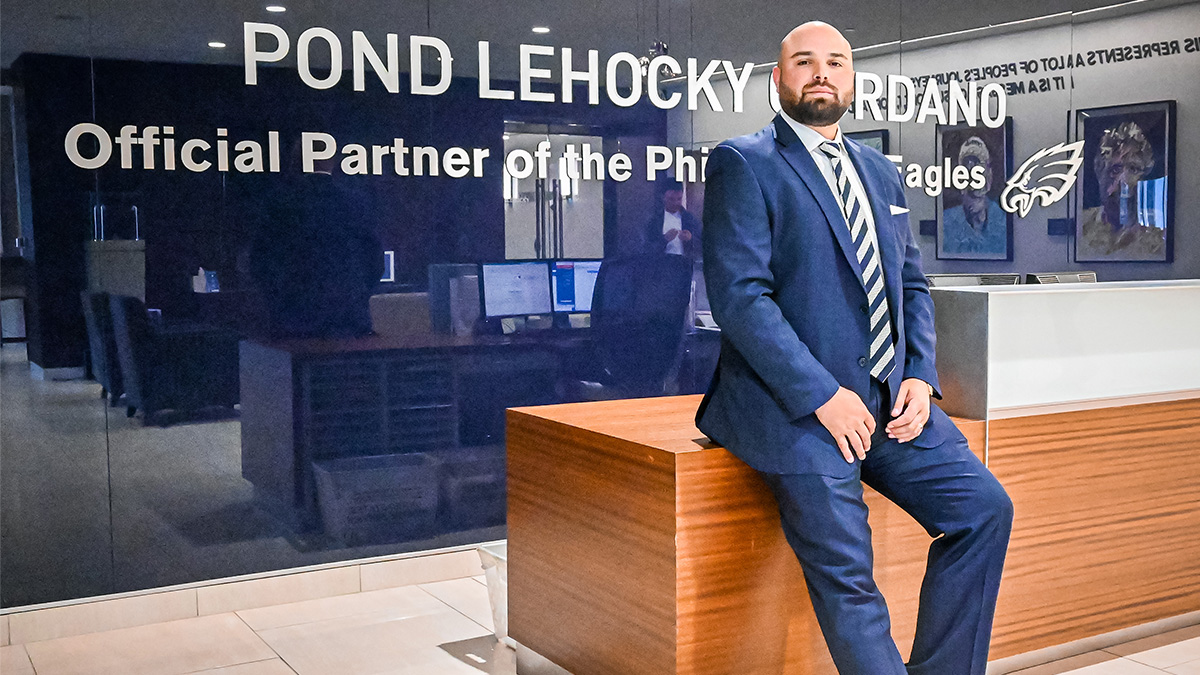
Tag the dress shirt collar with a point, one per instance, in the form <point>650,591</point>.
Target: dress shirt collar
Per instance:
<point>811,138</point>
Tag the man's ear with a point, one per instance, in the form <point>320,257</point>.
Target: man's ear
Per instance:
<point>775,76</point>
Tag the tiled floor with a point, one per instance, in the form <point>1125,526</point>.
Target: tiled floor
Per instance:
<point>109,505</point>
<point>1176,652</point>
<point>397,630</point>
<point>441,628</point>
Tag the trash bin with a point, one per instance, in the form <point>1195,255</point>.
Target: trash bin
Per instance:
<point>495,570</point>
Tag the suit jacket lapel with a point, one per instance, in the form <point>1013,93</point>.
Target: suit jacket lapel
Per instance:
<point>797,155</point>
<point>885,232</point>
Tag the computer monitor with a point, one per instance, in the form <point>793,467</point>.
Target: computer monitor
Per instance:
<point>515,288</point>
<point>996,279</point>
<point>574,282</point>
<point>1061,278</point>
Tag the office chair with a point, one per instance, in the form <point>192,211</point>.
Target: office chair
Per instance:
<point>180,368</point>
<point>102,343</point>
<point>13,285</point>
<point>639,317</point>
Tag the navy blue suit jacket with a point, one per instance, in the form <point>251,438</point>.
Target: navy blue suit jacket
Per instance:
<point>785,288</point>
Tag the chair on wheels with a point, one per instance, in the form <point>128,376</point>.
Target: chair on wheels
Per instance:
<point>13,286</point>
<point>181,368</point>
<point>102,344</point>
<point>639,317</point>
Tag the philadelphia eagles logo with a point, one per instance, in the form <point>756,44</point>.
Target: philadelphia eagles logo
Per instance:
<point>1050,185</point>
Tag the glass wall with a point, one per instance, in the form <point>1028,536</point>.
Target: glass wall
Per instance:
<point>282,268</point>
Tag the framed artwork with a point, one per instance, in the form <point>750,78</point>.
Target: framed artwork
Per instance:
<point>878,139</point>
<point>1125,207</point>
<point>970,223</point>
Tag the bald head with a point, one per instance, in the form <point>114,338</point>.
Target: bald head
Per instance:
<point>815,76</point>
<point>812,38</point>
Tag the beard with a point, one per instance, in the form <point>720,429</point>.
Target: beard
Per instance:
<point>816,112</point>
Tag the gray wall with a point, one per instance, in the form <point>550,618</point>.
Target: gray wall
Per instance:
<point>1039,120</point>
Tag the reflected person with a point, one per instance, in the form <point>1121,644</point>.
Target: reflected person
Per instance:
<point>315,258</point>
<point>827,369</point>
<point>977,226</point>
<point>673,229</point>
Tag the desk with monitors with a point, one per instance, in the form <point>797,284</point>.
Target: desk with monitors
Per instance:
<point>309,401</point>
<point>531,288</point>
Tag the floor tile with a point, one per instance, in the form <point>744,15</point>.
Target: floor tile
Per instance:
<point>1155,641</point>
<point>466,596</point>
<point>371,643</point>
<point>531,663</point>
<point>103,615</point>
<point>171,648</point>
<point>1189,668</point>
<point>271,591</point>
<point>482,578</point>
<point>271,667</point>
<point>1119,666</point>
<point>445,665</point>
<point>478,653</point>
<point>1169,655</point>
<point>1069,664</point>
<point>400,602</point>
<point>4,642</point>
<point>14,661</point>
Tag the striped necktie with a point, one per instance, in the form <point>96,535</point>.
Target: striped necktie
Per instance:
<point>882,354</point>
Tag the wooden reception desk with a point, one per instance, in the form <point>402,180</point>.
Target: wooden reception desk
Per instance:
<point>637,547</point>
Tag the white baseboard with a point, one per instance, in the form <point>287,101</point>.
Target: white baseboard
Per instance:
<point>138,608</point>
<point>1058,652</point>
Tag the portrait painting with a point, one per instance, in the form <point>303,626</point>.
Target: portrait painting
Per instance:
<point>1124,204</point>
<point>971,225</point>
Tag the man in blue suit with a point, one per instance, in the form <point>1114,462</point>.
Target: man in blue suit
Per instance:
<point>827,369</point>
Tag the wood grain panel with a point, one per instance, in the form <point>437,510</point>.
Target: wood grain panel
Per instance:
<point>1107,525</point>
<point>667,422</point>
<point>743,605</point>
<point>1107,536</point>
<point>737,576</point>
<point>591,542</point>
<point>738,599</point>
<point>975,431</point>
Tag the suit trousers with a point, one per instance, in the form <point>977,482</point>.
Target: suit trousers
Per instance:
<point>951,494</point>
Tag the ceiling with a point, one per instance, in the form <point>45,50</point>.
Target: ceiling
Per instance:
<point>747,30</point>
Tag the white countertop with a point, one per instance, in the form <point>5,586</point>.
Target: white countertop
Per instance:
<point>1008,350</point>
<point>1073,287</point>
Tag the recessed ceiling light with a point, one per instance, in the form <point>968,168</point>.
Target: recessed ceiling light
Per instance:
<point>541,29</point>
<point>276,8</point>
<point>506,137</point>
<point>217,45</point>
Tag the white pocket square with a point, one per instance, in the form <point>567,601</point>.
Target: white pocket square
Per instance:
<point>897,210</point>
